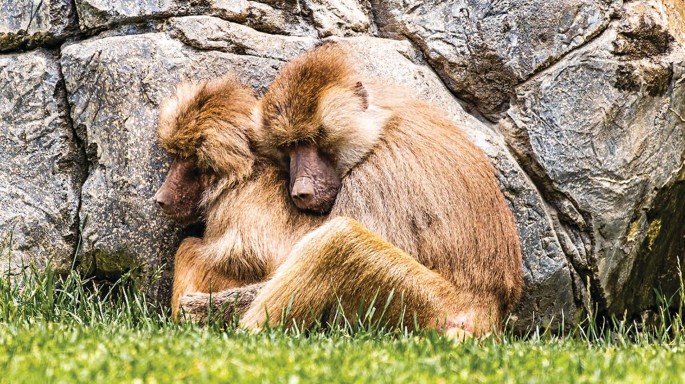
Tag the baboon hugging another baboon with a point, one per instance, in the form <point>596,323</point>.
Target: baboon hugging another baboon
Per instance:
<point>333,191</point>
<point>216,177</point>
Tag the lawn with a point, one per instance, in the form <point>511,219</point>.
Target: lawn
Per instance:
<point>77,334</point>
<point>48,352</point>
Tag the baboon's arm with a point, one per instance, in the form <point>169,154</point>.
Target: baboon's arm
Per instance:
<point>192,273</point>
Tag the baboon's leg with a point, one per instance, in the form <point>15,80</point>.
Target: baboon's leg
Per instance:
<point>192,273</point>
<point>343,264</point>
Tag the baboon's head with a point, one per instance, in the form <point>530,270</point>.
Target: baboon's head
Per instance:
<point>314,120</point>
<point>207,128</point>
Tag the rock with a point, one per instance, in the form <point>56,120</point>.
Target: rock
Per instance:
<point>602,132</point>
<point>98,14</point>
<point>482,50</point>
<point>341,17</point>
<point>211,33</point>
<point>225,306</point>
<point>269,16</point>
<point>41,166</point>
<point>28,23</point>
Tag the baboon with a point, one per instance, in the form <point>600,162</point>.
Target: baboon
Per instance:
<point>216,177</point>
<point>367,151</point>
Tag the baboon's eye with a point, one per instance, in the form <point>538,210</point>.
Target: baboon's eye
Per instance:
<point>196,172</point>
<point>321,133</point>
<point>283,156</point>
<point>285,160</point>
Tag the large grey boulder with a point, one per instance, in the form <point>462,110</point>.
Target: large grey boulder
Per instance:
<point>28,23</point>
<point>340,17</point>
<point>280,17</point>
<point>214,34</point>
<point>603,132</point>
<point>41,167</point>
<point>483,49</point>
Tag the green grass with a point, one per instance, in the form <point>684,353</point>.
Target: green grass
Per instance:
<point>66,353</point>
<point>69,330</point>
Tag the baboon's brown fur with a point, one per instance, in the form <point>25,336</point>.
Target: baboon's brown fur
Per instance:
<point>410,176</point>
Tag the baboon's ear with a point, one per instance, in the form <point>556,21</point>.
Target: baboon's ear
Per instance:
<point>360,91</point>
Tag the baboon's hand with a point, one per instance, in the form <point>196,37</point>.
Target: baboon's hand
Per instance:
<point>194,307</point>
<point>225,306</point>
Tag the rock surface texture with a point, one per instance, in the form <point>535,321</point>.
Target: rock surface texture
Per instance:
<point>29,23</point>
<point>580,105</point>
<point>41,166</point>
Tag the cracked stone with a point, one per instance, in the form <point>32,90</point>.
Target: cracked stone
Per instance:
<point>27,23</point>
<point>482,50</point>
<point>604,129</point>
<point>340,17</point>
<point>41,167</point>
<point>211,33</point>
